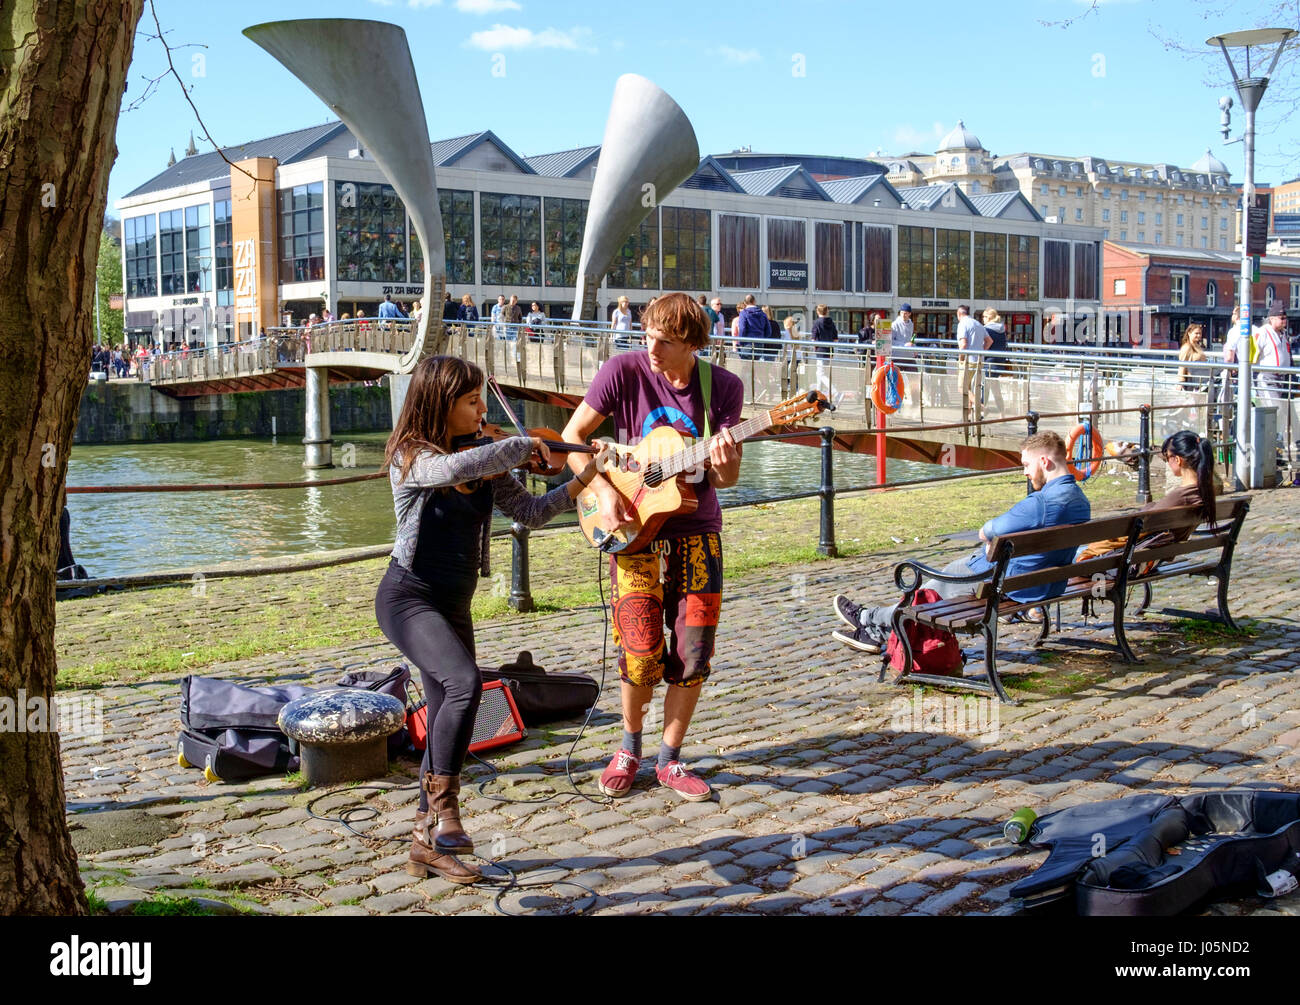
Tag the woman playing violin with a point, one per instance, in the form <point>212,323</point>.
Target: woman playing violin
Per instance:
<point>443,498</point>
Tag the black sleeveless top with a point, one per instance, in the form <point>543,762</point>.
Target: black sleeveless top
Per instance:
<point>451,527</point>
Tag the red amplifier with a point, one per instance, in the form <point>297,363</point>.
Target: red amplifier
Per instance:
<point>496,724</point>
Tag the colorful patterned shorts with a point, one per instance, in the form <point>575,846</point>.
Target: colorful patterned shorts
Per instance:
<point>678,581</point>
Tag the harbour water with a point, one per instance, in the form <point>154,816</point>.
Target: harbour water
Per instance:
<point>128,534</point>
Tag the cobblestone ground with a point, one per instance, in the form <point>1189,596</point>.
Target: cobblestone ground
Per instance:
<point>834,794</point>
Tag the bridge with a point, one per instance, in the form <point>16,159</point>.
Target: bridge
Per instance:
<point>553,365</point>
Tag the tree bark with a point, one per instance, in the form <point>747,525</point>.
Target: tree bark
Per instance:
<point>62,71</point>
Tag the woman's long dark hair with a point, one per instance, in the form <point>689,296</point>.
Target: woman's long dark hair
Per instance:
<point>435,385</point>
<point>1198,455</point>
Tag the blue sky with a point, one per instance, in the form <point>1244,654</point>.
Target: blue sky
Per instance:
<point>892,78</point>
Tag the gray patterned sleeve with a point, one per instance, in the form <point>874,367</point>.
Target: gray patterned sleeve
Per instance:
<point>432,471</point>
<point>518,503</point>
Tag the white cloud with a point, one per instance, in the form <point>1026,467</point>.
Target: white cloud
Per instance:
<point>907,138</point>
<point>500,37</point>
<point>485,6</point>
<point>417,4</point>
<point>739,55</point>
<point>383,3</point>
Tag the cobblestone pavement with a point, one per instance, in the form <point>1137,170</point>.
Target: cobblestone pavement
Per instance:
<point>834,794</point>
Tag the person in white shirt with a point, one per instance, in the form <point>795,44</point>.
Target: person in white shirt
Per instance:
<point>1272,349</point>
<point>621,322</point>
<point>499,317</point>
<point>901,333</point>
<point>970,335</point>
<point>719,326</point>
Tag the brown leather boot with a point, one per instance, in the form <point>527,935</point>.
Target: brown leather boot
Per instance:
<point>444,802</point>
<point>425,858</point>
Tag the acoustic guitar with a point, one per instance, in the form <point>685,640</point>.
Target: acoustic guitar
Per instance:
<point>652,477</point>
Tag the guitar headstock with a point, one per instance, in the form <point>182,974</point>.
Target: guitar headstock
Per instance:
<point>800,407</point>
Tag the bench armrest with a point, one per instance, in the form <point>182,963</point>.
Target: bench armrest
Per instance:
<point>909,574</point>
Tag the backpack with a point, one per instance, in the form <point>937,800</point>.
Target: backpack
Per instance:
<point>934,651</point>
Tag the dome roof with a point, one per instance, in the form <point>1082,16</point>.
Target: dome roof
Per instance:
<point>960,138</point>
<point>1211,165</point>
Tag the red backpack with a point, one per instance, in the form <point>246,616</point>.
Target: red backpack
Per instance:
<point>934,651</point>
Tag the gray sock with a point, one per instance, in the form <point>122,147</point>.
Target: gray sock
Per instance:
<point>668,754</point>
<point>632,743</point>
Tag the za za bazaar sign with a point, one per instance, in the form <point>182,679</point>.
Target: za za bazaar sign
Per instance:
<point>246,276</point>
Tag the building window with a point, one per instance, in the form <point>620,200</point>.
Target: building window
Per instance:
<point>1123,195</point>
<point>457,210</point>
<point>1142,236</point>
<point>565,220</point>
<point>1121,287</point>
<point>1223,244</point>
<point>512,239</point>
<point>1060,190</point>
<point>369,234</point>
<point>223,244</point>
<point>915,262</point>
<point>688,249</point>
<point>1178,219</point>
<point>1270,294</point>
<point>1142,218</point>
<point>1078,214</point>
<point>1043,212</point>
<point>171,245</point>
<point>1160,219</point>
<point>1123,235</point>
<point>787,240</point>
<point>198,250</point>
<point>1105,192</point>
<point>636,266</point>
<point>1160,238</point>
<point>1056,269</point>
<point>1178,240</point>
<point>1205,241</point>
<point>1105,216</point>
<point>1295,295</point>
<point>1223,223</point>
<point>1142,197</point>
<point>1178,289</point>
<point>1123,216</point>
<point>829,255</point>
<point>876,259</point>
<point>952,263</point>
<point>1205,223</point>
<point>990,266</point>
<point>738,251</point>
<point>1022,268</point>
<point>139,250</point>
<point>302,234</point>
<point>1087,277</point>
<point>1060,214</point>
<point>1211,294</point>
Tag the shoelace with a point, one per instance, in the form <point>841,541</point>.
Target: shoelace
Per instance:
<point>675,770</point>
<point>625,761</point>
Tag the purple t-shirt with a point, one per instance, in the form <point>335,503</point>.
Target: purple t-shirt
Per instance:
<point>639,400</point>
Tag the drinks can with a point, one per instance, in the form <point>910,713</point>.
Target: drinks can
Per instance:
<point>1016,830</point>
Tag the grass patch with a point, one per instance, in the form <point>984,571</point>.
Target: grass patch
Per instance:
<point>96,903</point>
<point>1197,631</point>
<point>169,907</point>
<point>164,633</point>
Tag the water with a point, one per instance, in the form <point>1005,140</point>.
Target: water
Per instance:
<point>128,534</point>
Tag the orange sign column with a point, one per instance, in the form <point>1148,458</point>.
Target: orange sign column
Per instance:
<point>253,233</point>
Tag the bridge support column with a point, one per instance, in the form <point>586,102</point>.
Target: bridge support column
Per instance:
<point>319,443</point>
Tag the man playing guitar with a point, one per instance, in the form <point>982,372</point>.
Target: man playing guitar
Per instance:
<point>678,578</point>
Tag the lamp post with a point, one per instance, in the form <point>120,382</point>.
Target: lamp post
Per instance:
<point>1251,91</point>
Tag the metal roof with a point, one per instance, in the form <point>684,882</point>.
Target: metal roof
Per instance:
<point>447,152</point>
<point>770,180</point>
<point>996,203</point>
<point>563,163</point>
<point>848,190</point>
<point>210,167</point>
<point>928,196</point>
<point>1228,259</point>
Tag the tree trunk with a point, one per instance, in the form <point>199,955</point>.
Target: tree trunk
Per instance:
<point>62,71</point>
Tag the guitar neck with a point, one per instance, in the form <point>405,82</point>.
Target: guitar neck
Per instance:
<point>697,454</point>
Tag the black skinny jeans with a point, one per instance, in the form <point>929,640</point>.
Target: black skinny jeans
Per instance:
<point>432,628</point>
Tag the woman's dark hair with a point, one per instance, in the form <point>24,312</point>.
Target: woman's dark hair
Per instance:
<point>435,385</point>
<point>1198,455</point>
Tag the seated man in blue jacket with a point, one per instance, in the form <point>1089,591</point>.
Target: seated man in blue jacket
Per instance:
<point>1056,499</point>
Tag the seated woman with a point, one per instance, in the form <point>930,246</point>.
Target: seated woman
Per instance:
<point>1191,461</point>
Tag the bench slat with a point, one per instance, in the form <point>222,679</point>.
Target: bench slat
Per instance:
<point>1070,535</point>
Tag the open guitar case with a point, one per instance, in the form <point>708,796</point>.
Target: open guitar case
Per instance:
<point>1158,855</point>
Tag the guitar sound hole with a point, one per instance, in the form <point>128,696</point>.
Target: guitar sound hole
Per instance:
<point>654,475</point>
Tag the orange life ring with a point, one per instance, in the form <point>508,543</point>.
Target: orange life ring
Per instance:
<point>1089,468</point>
<point>887,388</point>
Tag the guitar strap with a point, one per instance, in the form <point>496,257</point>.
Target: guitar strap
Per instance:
<point>706,388</point>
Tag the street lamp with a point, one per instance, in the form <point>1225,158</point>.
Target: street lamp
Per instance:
<point>1251,91</point>
<point>205,263</point>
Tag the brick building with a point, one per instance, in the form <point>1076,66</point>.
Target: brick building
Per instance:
<point>1176,287</point>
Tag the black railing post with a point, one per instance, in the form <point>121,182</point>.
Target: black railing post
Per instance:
<point>826,546</point>
<point>1031,418</point>
<point>1144,454</point>
<point>521,597</point>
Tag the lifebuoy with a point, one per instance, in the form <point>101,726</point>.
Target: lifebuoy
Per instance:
<point>1092,439</point>
<point>887,388</point>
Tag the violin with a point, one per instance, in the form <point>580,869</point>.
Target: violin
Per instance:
<point>490,432</point>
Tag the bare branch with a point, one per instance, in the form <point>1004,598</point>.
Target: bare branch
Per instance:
<point>1092,9</point>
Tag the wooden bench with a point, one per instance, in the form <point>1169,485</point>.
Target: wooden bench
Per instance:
<point>1151,552</point>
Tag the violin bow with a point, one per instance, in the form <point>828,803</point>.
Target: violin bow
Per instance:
<point>505,405</point>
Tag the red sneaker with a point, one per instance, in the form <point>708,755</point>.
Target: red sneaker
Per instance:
<point>690,787</point>
<point>619,776</point>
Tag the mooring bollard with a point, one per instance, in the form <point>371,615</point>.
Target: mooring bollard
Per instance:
<point>1144,454</point>
<point>521,597</point>
<point>826,546</point>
